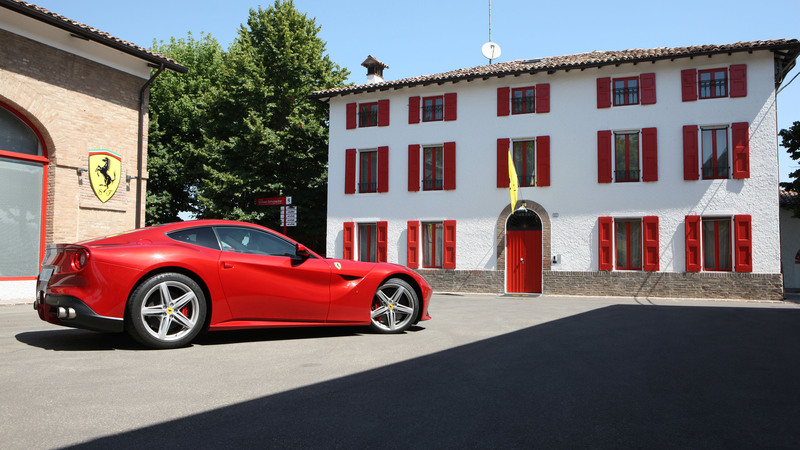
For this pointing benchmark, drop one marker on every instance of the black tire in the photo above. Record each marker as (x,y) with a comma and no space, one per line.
(166,311)
(394,307)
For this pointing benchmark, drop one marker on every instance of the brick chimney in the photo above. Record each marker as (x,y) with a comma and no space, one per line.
(374,69)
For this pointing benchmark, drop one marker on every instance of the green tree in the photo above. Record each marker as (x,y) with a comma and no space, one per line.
(254,132)
(181,107)
(790,139)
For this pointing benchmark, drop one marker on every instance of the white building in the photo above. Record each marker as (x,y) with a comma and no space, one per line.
(641,172)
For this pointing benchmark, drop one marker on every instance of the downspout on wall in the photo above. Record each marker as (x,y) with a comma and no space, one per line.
(140,147)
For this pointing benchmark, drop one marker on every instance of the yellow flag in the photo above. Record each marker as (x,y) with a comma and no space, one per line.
(513,182)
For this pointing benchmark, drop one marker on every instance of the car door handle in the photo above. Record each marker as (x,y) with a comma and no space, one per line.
(227,265)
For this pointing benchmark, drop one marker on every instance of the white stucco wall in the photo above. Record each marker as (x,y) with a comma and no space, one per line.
(790,246)
(574,193)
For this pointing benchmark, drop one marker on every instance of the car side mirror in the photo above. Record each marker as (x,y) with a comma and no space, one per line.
(301,251)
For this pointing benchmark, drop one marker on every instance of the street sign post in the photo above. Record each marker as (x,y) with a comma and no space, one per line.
(288,218)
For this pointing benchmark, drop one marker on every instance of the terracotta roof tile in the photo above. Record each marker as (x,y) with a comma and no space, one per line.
(88,32)
(788,198)
(570,62)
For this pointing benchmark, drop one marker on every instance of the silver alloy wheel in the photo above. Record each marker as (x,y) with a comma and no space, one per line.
(170,311)
(394,306)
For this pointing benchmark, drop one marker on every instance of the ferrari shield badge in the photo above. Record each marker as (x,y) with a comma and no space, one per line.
(105,168)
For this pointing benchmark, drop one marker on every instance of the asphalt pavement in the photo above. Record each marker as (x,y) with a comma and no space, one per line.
(486,372)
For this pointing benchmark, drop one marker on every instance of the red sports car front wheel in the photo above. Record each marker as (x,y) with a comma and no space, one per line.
(394,308)
(166,311)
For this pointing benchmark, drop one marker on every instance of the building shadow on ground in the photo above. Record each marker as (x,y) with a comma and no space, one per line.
(626,376)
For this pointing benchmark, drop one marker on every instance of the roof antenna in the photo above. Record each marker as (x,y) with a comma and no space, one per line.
(490,50)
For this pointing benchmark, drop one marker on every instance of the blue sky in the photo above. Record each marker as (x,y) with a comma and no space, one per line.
(420,37)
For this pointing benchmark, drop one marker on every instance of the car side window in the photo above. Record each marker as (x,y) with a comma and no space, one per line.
(250,240)
(202,236)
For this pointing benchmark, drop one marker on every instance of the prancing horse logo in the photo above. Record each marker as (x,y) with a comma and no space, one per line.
(104,172)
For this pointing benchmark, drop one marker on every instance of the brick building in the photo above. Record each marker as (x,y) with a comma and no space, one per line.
(73,107)
(648,173)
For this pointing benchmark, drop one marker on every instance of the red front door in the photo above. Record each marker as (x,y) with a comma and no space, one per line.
(524,261)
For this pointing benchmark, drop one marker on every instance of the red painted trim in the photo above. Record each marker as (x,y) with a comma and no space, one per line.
(503,101)
(351,110)
(650,245)
(649,154)
(350,171)
(738,78)
(648,88)
(543,161)
(19,278)
(450,106)
(449,166)
(689,85)
(412,254)
(693,249)
(449,259)
(502,162)
(23,157)
(740,134)
(413,110)
(383,169)
(743,238)
(604,92)
(604,156)
(383,113)
(605,235)
(348,239)
(413,167)
(382,240)
(543,98)
(690,155)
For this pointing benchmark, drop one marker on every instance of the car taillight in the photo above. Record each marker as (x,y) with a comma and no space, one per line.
(79,258)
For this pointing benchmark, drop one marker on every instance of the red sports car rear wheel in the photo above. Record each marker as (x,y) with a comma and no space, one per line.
(166,311)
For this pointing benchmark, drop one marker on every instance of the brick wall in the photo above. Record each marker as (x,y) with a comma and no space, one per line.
(747,286)
(77,105)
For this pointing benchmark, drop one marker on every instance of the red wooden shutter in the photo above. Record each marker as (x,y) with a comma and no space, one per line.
(543,98)
(450,106)
(352,121)
(606,240)
(413,110)
(604,92)
(449,166)
(383,169)
(743,239)
(412,249)
(741,150)
(693,253)
(503,103)
(383,113)
(690,155)
(382,240)
(502,162)
(649,154)
(542,160)
(449,260)
(413,167)
(650,246)
(689,85)
(648,83)
(738,76)
(604,156)
(350,171)
(348,239)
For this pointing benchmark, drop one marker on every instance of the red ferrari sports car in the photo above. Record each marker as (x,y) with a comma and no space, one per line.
(165,284)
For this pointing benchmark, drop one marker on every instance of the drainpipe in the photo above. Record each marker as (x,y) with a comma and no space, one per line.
(140,147)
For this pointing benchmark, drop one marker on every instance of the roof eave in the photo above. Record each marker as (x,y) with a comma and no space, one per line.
(154,60)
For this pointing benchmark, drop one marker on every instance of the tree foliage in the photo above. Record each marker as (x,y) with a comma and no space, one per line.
(790,139)
(240,125)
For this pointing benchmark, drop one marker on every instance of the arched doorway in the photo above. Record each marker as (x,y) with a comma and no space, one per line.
(524,252)
(23,181)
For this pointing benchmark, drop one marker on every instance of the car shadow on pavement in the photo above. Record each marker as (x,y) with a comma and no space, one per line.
(627,376)
(70,339)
